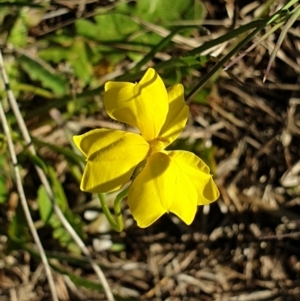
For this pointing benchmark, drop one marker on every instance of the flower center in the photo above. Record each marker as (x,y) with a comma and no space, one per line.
(157,145)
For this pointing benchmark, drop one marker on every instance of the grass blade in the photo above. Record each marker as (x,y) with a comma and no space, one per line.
(285,29)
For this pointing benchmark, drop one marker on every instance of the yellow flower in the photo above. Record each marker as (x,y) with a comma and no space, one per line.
(163,181)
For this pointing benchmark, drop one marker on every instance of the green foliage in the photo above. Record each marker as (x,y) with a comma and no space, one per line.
(3,178)
(45,207)
(54,53)
(79,60)
(18,34)
(18,232)
(49,218)
(108,27)
(44,74)
(155,11)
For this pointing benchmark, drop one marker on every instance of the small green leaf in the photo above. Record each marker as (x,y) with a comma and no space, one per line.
(48,216)
(202,95)
(45,207)
(42,72)
(32,89)
(162,11)
(37,161)
(117,247)
(3,177)
(193,60)
(197,13)
(3,190)
(79,60)
(54,54)
(108,27)
(17,230)
(87,29)
(65,240)
(18,34)
(58,190)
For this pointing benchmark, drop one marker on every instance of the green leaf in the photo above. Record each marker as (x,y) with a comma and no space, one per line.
(18,34)
(54,54)
(147,40)
(197,13)
(45,207)
(62,38)
(37,161)
(40,71)
(162,11)
(17,230)
(192,60)
(202,95)
(63,237)
(48,216)
(3,177)
(108,27)
(87,29)
(32,89)
(79,60)
(3,190)
(58,191)
(115,26)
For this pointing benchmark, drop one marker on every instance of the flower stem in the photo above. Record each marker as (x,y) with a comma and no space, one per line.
(116,222)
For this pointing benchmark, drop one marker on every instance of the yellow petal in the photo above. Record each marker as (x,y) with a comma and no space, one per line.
(177,115)
(143,105)
(198,172)
(159,188)
(111,156)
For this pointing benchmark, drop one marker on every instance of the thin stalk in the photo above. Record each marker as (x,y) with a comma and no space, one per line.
(49,192)
(117,221)
(241,44)
(107,212)
(285,29)
(117,206)
(24,201)
(159,47)
(266,8)
(265,36)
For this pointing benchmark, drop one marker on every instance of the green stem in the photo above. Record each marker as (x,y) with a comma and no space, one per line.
(265,8)
(118,209)
(117,221)
(107,212)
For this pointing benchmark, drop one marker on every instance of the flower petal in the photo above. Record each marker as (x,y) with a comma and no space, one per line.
(112,156)
(143,105)
(159,188)
(177,115)
(199,175)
